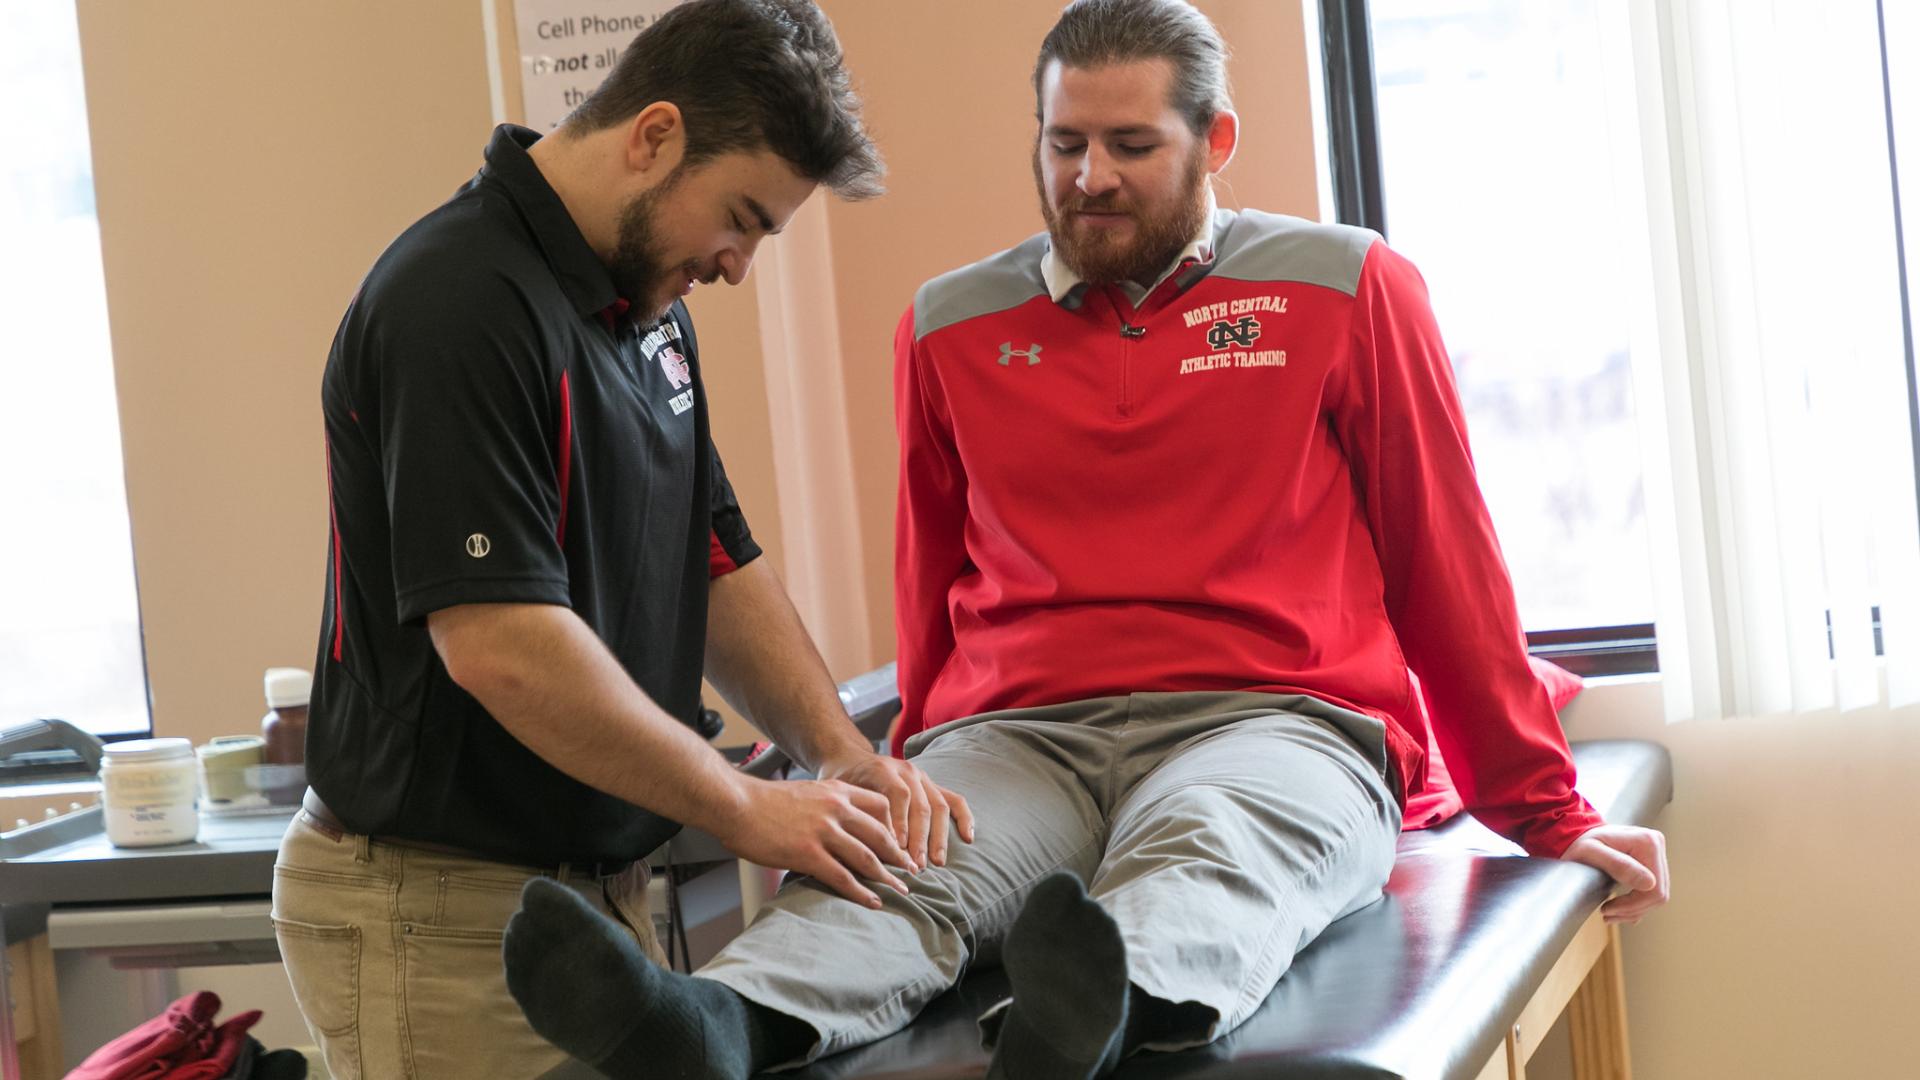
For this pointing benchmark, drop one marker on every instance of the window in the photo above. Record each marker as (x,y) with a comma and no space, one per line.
(1508,170)
(1673,421)
(70,644)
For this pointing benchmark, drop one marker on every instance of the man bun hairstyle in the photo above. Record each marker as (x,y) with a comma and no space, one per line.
(1094,33)
(746,74)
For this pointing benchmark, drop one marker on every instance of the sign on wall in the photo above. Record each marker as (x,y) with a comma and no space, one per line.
(561,50)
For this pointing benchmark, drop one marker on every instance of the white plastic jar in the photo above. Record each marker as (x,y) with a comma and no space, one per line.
(149,790)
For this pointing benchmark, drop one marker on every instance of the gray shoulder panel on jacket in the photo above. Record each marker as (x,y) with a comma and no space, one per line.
(995,283)
(1255,246)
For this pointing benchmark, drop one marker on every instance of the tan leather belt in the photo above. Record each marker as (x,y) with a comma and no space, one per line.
(324,820)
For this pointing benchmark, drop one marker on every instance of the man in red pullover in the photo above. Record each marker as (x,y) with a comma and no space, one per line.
(1184,495)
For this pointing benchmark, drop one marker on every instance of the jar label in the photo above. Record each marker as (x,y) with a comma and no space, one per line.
(152,805)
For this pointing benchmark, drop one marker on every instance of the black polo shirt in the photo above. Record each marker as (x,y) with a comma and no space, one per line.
(495,434)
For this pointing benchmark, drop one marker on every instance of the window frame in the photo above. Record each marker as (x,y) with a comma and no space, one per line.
(1359,195)
(1900,256)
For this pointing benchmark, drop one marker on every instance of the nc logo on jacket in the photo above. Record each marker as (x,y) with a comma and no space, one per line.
(1225,334)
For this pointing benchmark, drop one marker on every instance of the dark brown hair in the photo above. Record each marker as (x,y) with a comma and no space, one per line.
(746,74)
(1094,33)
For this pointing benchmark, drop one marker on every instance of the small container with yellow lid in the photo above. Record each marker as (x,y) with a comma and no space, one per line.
(224,763)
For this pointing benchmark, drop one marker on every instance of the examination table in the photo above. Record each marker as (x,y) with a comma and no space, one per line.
(1458,973)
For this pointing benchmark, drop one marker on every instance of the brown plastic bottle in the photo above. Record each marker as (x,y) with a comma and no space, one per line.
(285,725)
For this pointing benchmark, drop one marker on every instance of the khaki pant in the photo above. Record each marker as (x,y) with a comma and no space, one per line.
(394,954)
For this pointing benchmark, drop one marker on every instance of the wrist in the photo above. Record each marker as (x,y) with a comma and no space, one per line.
(846,749)
(727,805)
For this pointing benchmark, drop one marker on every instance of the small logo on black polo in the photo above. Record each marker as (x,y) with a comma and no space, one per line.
(478,545)
(1008,352)
(675,367)
(1228,333)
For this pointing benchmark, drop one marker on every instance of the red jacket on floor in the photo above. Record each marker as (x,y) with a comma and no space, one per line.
(181,1043)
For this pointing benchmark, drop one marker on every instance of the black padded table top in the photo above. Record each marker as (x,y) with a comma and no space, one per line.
(1423,984)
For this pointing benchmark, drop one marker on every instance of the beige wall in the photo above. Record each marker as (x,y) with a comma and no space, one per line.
(248,171)
(1788,949)
(250,168)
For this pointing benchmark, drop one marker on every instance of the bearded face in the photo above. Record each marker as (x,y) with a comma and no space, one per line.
(639,266)
(1118,234)
(700,223)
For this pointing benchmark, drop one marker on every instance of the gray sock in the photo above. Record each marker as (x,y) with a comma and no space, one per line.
(1068,967)
(586,987)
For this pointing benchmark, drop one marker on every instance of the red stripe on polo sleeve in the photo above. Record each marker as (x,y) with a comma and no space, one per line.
(333,516)
(564,458)
(719,563)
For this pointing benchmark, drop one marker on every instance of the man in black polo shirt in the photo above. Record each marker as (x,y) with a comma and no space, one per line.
(535,556)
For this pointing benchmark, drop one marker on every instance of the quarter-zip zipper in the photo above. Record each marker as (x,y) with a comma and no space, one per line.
(1129,333)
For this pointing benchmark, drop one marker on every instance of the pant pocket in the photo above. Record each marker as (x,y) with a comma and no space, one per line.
(457,1018)
(476,901)
(323,966)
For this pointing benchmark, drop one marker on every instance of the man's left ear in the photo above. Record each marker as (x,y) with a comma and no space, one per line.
(655,139)
(1222,137)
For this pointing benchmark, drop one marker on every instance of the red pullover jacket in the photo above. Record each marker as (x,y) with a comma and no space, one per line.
(1257,480)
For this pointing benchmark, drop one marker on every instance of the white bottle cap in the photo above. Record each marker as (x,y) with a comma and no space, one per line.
(287,686)
(146,750)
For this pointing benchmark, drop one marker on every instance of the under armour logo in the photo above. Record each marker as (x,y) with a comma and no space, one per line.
(1008,352)
(478,545)
(1225,334)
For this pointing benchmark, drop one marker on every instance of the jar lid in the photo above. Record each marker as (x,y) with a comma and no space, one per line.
(125,753)
(288,686)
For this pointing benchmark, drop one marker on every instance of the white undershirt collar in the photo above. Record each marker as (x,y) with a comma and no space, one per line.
(1061,280)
